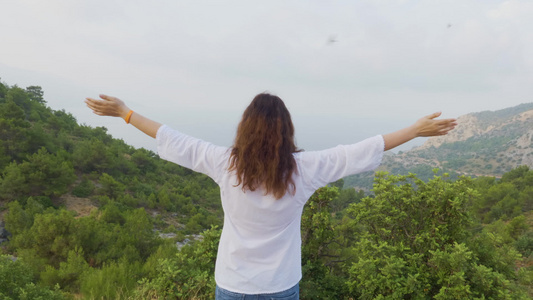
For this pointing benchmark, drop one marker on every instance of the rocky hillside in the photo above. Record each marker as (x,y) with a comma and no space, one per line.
(487,143)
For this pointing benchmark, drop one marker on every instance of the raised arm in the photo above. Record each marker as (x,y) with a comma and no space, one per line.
(425,127)
(114,107)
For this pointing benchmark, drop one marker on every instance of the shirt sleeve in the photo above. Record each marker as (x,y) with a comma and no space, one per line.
(190,152)
(322,167)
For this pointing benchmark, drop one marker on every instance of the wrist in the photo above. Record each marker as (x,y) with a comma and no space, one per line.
(414,131)
(124,112)
(128,116)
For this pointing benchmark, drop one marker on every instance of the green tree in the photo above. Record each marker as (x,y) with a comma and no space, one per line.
(42,174)
(164,201)
(69,272)
(187,276)
(16,282)
(53,236)
(13,132)
(91,155)
(3,91)
(115,280)
(416,242)
(138,232)
(111,214)
(39,138)
(84,189)
(60,119)
(110,187)
(521,177)
(20,97)
(346,197)
(18,218)
(144,160)
(35,93)
(320,248)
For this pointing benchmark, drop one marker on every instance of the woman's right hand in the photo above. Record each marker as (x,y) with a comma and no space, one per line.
(108,106)
(114,107)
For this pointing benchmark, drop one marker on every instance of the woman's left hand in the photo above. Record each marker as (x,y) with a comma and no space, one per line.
(426,126)
(429,126)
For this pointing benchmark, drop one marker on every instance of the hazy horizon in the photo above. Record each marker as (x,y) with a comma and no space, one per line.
(346,70)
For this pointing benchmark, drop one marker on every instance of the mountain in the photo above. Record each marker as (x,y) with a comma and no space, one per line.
(487,143)
(131,207)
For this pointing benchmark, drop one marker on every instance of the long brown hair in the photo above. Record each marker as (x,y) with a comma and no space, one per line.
(262,153)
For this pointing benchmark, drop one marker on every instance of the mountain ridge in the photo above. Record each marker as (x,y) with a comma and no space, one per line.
(475,124)
(487,143)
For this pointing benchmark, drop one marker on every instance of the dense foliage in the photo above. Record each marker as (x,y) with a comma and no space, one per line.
(93,218)
(123,198)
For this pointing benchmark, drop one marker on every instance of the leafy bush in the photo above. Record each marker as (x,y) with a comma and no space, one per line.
(524,244)
(84,189)
(16,282)
(43,174)
(112,281)
(190,275)
(415,244)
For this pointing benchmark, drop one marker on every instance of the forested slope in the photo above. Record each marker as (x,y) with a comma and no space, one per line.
(442,238)
(126,196)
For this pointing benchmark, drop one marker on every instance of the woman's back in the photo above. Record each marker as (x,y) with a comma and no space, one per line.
(260,246)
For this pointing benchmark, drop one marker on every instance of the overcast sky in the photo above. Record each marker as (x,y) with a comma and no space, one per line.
(346,69)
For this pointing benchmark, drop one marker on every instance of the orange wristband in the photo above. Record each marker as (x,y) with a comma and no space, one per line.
(128,117)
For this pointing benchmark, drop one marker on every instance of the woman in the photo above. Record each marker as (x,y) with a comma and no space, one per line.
(264,183)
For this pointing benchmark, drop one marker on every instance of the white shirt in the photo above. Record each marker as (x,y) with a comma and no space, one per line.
(260,246)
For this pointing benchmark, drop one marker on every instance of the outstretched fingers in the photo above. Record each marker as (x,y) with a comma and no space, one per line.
(434,115)
(91,103)
(108,98)
(429,126)
(94,105)
(446,126)
(107,106)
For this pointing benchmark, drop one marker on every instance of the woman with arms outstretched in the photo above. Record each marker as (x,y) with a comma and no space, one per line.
(265,182)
